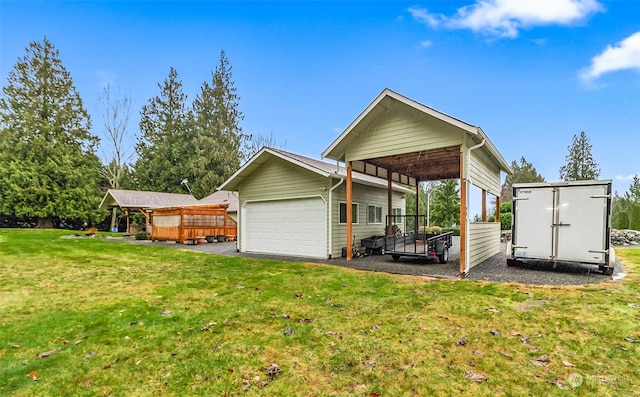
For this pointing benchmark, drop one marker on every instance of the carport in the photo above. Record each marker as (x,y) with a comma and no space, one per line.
(400,140)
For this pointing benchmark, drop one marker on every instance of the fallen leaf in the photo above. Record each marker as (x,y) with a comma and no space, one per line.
(239,286)
(107,366)
(263,384)
(461,342)
(515,333)
(492,309)
(560,385)
(299,296)
(15,346)
(273,370)
(567,363)
(369,363)
(495,332)
(89,356)
(165,313)
(209,325)
(49,353)
(288,331)
(631,339)
(245,384)
(306,321)
(330,333)
(524,340)
(475,376)
(374,394)
(64,343)
(285,315)
(375,327)
(230,370)
(633,305)
(76,343)
(541,361)
(88,383)
(33,375)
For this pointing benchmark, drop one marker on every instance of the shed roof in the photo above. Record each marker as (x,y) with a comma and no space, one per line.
(389,99)
(222,197)
(317,166)
(144,199)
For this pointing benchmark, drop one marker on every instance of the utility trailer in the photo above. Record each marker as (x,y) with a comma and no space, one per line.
(562,222)
(408,237)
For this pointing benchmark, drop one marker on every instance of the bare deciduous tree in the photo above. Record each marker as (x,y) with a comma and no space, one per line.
(115,110)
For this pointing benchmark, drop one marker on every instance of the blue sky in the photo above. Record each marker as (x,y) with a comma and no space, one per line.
(530,73)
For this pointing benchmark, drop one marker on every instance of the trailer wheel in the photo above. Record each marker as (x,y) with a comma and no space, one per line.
(607,270)
(444,256)
(395,257)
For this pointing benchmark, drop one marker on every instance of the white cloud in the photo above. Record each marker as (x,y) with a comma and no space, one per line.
(624,55)
(425,43)
(504,18)
(624,178)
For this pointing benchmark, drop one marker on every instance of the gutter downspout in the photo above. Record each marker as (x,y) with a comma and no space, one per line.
(331,217)
(466,212)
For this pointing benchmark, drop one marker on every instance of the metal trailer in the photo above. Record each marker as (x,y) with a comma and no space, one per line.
(562,222)
(408,238)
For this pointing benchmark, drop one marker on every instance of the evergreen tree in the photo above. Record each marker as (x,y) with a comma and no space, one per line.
(633,194)
(165,144)
(523,172)
(48,166)
(217,131)
(445,204)
(580,162)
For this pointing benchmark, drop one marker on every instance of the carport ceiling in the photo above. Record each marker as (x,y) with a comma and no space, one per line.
(421,166)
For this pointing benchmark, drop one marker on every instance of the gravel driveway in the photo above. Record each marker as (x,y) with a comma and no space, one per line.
(493,269)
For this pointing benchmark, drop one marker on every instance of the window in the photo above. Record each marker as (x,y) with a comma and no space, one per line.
(396,212)
(342,219)
(374,214)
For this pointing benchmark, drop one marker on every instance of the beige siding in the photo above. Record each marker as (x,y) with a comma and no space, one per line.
(364,196)
(405,132)
(484,241)
(279,179)
(484,173)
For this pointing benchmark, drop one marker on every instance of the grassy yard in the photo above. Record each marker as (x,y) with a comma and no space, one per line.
(88,316)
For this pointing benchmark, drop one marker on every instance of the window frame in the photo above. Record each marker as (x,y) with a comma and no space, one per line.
(396,218)
(377,214)
(354,206)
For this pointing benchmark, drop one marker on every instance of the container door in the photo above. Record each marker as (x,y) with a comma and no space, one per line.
(533,234)
(582,223)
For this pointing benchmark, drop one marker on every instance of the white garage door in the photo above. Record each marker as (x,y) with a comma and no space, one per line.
(286,227)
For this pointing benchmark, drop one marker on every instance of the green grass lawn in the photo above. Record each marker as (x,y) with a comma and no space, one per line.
(124,319)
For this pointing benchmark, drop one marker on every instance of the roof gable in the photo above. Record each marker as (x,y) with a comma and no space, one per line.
(319,167)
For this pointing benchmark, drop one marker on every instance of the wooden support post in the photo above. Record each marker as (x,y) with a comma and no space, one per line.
(389,205)
(498,209)
(463,217)
(126,213)
(417,222)
(181,227)
(484,205)
(349,212)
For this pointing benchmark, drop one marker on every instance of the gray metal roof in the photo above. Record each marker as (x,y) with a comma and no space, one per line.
(141,199)
(321,167)
(222,197)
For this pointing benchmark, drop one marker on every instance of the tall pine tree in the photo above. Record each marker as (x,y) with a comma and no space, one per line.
(48,166)
(217,131)
(580,164)
(523,171)
(165,144)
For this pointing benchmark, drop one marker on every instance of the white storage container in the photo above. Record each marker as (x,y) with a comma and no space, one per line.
(561,221)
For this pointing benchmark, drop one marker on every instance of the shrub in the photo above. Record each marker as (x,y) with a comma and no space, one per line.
(505,207)
(505,221)
(455,230)
(143,236)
